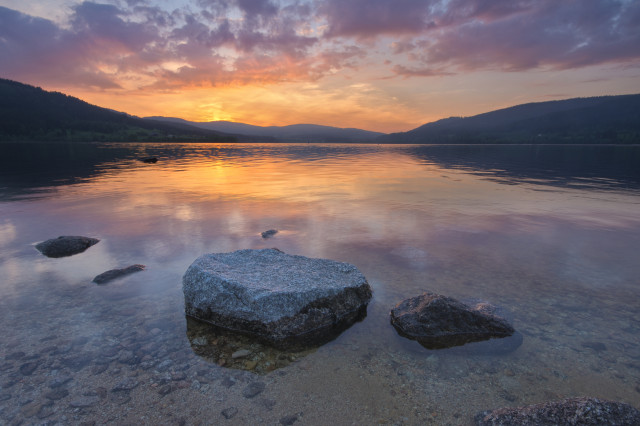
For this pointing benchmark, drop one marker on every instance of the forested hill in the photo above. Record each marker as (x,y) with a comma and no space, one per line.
(29,113)
(606,120)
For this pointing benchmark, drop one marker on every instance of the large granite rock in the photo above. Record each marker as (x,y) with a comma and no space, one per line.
(571,411)
(439,322)
(114,274)
(65,246)
(282,299)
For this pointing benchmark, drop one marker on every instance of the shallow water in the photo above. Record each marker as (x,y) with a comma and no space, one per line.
(549,233)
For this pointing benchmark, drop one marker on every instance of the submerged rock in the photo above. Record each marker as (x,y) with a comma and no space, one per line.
(113,274)
(65,246)
(572,411)
(270,233)
(439,322)
(281,299)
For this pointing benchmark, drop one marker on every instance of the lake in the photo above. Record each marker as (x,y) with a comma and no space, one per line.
(551,234)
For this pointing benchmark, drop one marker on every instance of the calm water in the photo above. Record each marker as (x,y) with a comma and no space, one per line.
(551,234)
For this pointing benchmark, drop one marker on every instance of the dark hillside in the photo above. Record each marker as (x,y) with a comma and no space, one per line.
(29,113)
(607,119)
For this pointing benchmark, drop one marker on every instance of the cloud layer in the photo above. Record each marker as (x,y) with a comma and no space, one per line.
(135,44)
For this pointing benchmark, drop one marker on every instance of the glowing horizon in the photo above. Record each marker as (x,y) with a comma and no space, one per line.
(383,65)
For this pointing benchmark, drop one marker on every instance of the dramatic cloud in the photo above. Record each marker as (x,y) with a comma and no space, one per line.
(135,46)
(371,18)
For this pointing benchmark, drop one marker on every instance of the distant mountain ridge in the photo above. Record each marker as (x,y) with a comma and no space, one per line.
(29,113)
(606,119)
(292,133)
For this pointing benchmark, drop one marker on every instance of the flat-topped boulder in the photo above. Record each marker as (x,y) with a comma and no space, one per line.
(280,298)
(571,411)
(439,322)
(65,245)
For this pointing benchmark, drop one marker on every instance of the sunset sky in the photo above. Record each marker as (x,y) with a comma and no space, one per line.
(385,65)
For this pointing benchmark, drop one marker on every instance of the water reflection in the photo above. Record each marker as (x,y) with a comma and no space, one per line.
(574,166)
(233,350)
(559,248)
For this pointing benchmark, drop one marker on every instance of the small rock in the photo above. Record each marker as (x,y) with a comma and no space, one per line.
(99,368)
(113,274)
(149,160)
(571,411)
(128,357)
(241,353)
(229,413)
(28,368)
(164,365)
(59,381)
(596,346)
(165,390)
(199,341)
(78,362)
(57,394)
(227,382)
(65,246)
(178,375)
(126,385)
(289,420)
(84,402)
(270,233)
(253,389)
(267,403)
(15,355)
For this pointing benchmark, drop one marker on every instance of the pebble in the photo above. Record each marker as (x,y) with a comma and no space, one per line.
(227,382)
(57,394)
(241,353)
(126,385)
(289,420)
(165,390)
(128,357)
(15,355)
(84,401)
(199,341)
(253,389)
(28,368)
(99,368)
(229,413)
(164,365)
(596,346)
(178,376)
(59,381)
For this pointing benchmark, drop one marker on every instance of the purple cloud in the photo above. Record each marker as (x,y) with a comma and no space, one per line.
(371,18)
(554,34)
(215,42)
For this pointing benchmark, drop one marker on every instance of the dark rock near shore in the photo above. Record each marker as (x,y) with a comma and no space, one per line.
(439,322)
(113,274)
(270,233)
(65,246)
(281,299)
(572,411)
